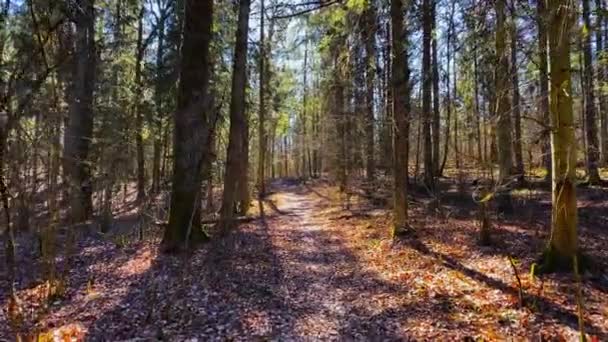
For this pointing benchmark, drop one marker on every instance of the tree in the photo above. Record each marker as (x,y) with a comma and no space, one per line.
(262,113)
(79,130)
(369,39)
(517,142)
(427,84)
(563,243)
(191,128)
(593,152)
(503,121)
(543,80)
(235,178)
(401,109)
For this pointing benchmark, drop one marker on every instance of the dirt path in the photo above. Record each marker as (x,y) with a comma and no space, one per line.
(308,270)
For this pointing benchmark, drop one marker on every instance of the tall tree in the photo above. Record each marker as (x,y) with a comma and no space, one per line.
(235,178)
(503,117)
(369,39)
(427,83)
(563,243)
(262,112)
(79,130)
(543,80)
(602,73)
(517,141)
(436,115)
(191,126)
(590,118)
(401,109)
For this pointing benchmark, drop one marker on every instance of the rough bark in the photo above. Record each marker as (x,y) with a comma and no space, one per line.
(401,108)
(191,126)
(139,140)
(237,154)
(79,130)
(262,112)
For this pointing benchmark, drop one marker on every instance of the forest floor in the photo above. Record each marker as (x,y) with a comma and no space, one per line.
(308,268)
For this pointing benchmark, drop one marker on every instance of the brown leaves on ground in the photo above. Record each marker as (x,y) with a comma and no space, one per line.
(310,270)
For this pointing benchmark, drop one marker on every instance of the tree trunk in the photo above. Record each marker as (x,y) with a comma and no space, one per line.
(262,113)
(236,157)
(369,37)
(601,79)
(401,110)
(517,142)
(591,128)
(436,114)
(139,140)
(427,84)
(563,244)
(79,130)
(191,126)
(503,122)
(544,85)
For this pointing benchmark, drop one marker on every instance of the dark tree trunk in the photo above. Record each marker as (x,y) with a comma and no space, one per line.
(427,84)
(235,178)
(517,143)
(79,129)
(191,127)
(544,85)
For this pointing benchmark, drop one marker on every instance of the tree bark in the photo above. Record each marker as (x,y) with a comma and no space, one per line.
(262,113)
(191,127)
(436,114)
(601,79)
(369,38)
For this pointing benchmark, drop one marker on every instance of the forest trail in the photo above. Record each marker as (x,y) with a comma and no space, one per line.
(309,269)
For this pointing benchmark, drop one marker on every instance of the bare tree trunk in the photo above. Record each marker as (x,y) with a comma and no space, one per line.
(401,109)
(602,71)
(591,129)
(436,114)
(503,123)
(262,113)
(139,140)
(237,155)
(427,84)
(191,128)
(563,244)
(79,130)
(544,84)
(369,38)
(517,142)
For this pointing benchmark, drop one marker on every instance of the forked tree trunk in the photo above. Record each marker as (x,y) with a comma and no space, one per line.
(191,127)
(401,110)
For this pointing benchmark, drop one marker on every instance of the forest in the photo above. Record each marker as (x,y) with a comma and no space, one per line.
(304,170)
